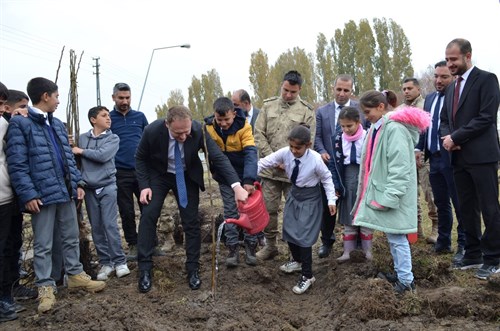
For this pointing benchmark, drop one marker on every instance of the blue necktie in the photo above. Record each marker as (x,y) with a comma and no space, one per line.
(435,125)
(353,153)
(295,172)
(179,177)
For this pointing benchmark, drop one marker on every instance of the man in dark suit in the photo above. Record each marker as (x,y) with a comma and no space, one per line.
(167,159)
(441,171)
(241,99)
(326,125)
(468,129)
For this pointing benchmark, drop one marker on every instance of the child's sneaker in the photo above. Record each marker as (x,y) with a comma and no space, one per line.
(303,284)
(82,280)
(465,264)
(46,298)
(7,312)
(21,292)
(122,270)
(105,272)
(291,266)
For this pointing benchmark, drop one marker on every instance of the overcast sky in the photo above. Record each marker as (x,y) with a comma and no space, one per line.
(222,34)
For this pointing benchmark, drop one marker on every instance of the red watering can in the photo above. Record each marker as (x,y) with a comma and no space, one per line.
(253,214)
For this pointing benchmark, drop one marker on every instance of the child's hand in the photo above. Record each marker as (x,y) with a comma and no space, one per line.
(333,209)
(250,188)
(77,150)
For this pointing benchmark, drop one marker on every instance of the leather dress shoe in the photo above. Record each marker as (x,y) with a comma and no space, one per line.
(145,281)
(194,280)
(324,251)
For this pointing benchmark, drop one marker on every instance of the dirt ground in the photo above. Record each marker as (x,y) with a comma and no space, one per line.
(345,297)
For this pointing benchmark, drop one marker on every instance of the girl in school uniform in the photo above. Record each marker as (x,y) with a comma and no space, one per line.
(344,165)
(303,207)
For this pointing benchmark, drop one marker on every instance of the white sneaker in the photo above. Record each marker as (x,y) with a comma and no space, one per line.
(105,272)
(291,266)
(122,270)
(303,284)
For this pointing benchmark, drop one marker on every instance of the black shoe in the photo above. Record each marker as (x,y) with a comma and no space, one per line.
(442,250)
(459,255)
(390,277)
(145,281)
(194,280)
(465,264)
(324,251)
(400,288)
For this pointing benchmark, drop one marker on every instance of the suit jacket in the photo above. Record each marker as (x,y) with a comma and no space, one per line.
(422,143)
(152,155)
(474,128)
(326,126)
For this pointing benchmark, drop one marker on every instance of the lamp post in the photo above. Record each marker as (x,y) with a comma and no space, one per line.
(149,66)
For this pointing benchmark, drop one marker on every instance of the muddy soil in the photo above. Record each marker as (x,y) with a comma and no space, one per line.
(344,297)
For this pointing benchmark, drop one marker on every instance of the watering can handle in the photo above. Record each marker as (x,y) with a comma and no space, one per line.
(258,185)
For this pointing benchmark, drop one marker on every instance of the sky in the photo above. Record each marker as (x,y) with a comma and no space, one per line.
(222,34)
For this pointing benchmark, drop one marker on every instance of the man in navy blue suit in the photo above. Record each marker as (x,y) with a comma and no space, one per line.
(468,129)
(441,171)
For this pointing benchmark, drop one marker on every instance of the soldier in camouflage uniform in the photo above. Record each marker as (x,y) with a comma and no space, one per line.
(277,117)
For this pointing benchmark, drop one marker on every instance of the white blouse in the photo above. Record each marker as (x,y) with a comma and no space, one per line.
(312,169)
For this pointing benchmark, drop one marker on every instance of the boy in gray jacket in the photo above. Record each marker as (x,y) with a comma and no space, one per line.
(97,149)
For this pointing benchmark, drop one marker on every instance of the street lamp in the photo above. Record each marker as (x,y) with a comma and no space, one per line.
(149,66)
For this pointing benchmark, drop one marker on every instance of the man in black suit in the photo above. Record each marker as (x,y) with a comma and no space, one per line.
(167,159)
(468,129)
(241,99)
(441,171)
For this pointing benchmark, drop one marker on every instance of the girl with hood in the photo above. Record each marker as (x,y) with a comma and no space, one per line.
(387,189)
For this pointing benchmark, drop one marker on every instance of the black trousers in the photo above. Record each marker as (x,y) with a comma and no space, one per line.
(160,187)
(126,182)
(477,188)
(327,222)
(302,255)
(11,225)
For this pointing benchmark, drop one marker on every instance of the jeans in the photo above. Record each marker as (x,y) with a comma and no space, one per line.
(400,251)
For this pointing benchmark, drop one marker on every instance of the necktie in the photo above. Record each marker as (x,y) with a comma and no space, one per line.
(179,177)
(456,96)
(295,172)
(435,125)
(353,153)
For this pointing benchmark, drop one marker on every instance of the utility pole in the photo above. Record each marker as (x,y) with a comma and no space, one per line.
(96,73)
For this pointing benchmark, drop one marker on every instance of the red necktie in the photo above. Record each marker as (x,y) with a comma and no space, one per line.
(456,96)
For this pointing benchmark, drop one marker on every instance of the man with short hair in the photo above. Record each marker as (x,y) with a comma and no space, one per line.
(441,171)
(413,98)
(326,127)
(128,124)
(276,119)
(468,129)
(167,159)
(241,99)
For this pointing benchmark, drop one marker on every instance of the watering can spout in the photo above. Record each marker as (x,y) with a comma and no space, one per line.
(243,221)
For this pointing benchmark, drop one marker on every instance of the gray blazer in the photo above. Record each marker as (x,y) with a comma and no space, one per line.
(326,125)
